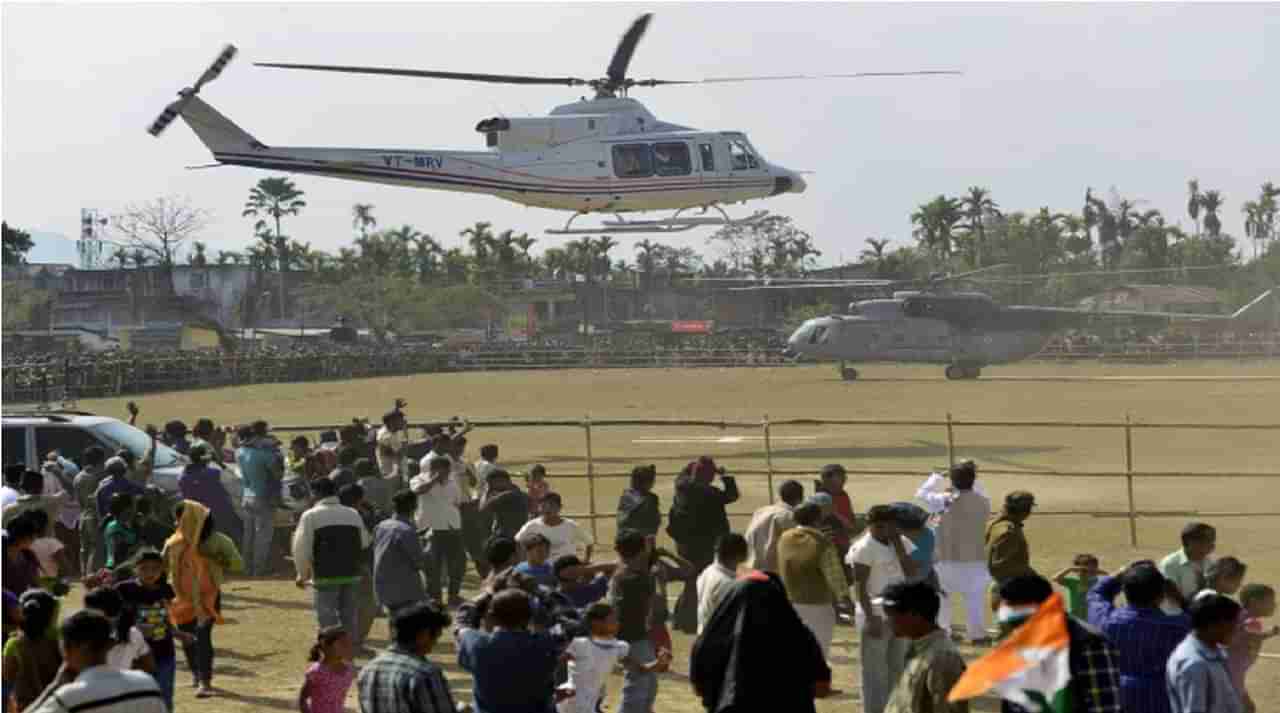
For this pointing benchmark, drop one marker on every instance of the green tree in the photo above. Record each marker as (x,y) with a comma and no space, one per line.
(978,207)
(24,307)
(1211,203)
(274,198)
(17,243)
(198,258)
(481,239)
(1193,202)
(362,218)
(935,223)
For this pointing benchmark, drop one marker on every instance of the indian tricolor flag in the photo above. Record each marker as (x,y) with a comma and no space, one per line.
(1029,668)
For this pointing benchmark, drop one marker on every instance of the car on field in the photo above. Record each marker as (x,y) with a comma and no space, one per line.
(29,436)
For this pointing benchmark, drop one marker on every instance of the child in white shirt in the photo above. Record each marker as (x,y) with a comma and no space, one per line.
(592,658)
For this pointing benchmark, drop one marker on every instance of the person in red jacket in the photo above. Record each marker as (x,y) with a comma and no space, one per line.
(832,482)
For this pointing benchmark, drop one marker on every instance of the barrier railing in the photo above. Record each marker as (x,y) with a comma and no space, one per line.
(1127,471)
(67,379)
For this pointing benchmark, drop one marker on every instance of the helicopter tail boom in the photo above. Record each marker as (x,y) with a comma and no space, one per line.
(217,132)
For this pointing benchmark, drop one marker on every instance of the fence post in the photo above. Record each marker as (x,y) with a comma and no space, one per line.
(951,442)
(768,456)
(1128,477)
(591,480)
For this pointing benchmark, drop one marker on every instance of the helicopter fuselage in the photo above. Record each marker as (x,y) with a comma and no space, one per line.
(602,155)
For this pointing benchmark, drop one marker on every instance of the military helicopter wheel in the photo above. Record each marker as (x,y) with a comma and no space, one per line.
(955,372)
(972,372)
(849,373)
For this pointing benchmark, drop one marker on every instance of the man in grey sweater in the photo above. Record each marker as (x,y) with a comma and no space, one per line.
(398,558)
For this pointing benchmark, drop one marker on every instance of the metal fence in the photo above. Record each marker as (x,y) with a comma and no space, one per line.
(1124,465)
(119,374)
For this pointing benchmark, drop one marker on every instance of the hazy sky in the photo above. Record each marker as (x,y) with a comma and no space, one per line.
(1055,98)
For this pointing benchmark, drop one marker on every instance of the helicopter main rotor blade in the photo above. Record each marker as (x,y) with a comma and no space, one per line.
(430,74)
(617,71)
(855,75)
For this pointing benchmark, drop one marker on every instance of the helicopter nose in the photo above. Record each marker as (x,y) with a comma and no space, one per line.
(788,182)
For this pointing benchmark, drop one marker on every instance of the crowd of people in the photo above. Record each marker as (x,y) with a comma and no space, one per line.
(382,524)
(30,375)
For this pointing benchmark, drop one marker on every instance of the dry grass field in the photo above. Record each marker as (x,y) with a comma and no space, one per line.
(261,651)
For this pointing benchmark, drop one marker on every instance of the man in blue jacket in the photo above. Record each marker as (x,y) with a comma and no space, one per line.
(261,470)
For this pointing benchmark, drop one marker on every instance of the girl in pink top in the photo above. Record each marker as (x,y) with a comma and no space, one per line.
(1259,602)
(330,674)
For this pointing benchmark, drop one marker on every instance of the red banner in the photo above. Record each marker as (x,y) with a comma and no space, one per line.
(691,327)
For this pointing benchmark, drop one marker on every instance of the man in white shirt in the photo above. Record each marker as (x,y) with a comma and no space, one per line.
(880,557)
(438,499)
(716,580)
(391,445)
(564,535)
(488,462)
(960,552)
(767,525)
(90,684)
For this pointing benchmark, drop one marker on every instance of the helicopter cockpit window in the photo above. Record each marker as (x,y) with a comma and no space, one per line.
(632,161)
(672,159)
(818,336)
(708,157)
(740,156)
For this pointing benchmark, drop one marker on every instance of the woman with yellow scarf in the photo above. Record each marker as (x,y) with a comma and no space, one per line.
(199,558)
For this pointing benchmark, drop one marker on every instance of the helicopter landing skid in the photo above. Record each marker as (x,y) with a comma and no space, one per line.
(674,224)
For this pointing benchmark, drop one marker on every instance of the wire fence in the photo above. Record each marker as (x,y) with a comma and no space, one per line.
(948,425)
(119,374)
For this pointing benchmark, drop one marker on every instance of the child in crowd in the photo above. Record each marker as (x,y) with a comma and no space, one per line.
(32,656)
(150,596)
(1196,675)
(538,487)
(151,532)
(130,650)
(1259,602)
(1225,575)
(592,658)
(330,675)
(664,567)
(50,553)
(1077,580)
(535,565)
(118,532)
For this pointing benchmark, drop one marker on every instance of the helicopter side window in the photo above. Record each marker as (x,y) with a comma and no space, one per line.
(633,160)
(708,157)
(672,159)
(818,336)
(740,157)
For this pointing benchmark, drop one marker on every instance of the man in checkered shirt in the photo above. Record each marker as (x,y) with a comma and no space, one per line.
(1092,660)
(402,679)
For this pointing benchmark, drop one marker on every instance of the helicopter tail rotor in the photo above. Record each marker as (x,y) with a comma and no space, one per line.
(174,109)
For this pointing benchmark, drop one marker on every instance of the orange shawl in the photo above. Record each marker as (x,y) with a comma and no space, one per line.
(192,581)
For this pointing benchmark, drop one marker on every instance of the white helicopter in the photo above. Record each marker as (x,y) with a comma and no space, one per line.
(607,154)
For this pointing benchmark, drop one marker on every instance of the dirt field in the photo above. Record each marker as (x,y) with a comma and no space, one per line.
(261,652)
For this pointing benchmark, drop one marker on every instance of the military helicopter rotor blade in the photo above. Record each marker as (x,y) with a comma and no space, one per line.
(852,75)
(430,74)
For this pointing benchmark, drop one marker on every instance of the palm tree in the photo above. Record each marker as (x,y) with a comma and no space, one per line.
(647,255)
(875,253)
(362,218)
(425,251)
(1211,201)
(480,238)
(525,243)
(600,249)
(1193,202)
(505,252)
(937,220)
(275,198)
(977,206)
(1108,228)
